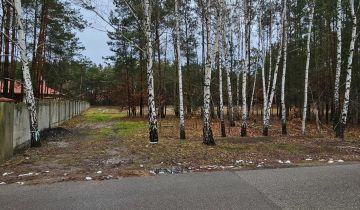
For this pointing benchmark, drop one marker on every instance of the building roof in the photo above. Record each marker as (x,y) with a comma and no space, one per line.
(17,89)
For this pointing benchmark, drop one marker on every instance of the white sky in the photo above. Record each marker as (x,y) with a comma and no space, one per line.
(94,38)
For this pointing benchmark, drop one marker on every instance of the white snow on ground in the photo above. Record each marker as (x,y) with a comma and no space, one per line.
(2,183)
(280,161)
(340,161)
(308,159)
(288,162)
(99,172)
(331,160)
(20,183)
(28,174)
(7,173)
(88,178)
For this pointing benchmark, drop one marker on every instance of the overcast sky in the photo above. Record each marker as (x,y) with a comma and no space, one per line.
(94,38)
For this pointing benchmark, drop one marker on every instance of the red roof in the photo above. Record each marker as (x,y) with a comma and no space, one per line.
(17,89)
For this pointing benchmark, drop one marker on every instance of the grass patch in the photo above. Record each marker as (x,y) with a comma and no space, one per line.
(127,128)
(103,115)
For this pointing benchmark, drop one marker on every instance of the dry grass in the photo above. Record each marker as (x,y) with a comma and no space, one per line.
(104,139)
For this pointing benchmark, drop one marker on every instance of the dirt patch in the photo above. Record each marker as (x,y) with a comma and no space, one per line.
(105,144)
(55,134)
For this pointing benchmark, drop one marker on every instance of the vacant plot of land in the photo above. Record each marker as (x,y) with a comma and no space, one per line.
(103,144)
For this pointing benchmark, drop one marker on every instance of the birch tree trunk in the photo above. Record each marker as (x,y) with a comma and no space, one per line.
(342,124)
(253,91)
(263,76)
(274,82)
(150,75)
(246,69)
(311,17)
(338,64)
(228,76)
(208,138)
(178,54)
(220,26)
(283,78)
(29,93)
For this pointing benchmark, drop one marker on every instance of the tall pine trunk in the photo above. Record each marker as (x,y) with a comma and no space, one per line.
(344,114)
(178,54)
(306,83)
(150,75)
(30,99)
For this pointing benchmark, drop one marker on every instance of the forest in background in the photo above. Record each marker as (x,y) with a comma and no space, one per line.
(240,39)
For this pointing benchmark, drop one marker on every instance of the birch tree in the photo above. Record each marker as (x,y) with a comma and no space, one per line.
(345,109)
(263,55)
(338,64)
(246,69)
(283,78)
(29,93)
(219,26)
(274,80)
(150,77)
(208,138)
(178,54)
(227,69)
(306,83)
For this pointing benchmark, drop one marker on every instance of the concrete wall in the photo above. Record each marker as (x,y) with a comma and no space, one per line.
(6,130)
(15,125)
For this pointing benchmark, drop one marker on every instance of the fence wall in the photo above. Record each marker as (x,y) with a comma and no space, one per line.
(15,124)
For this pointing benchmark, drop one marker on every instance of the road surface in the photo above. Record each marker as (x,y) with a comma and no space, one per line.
(326,187)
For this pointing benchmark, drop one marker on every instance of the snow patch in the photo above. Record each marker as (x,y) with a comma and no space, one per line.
(340,161)
(280,161)
(239,161)
(288,162)
(331,160)
(99,172)
(308,159)
(28,174)
(20,183)
(88,178)
(7,173)
(2,183)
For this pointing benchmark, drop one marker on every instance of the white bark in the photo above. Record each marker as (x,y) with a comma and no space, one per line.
(283,78)
(228,78)
(345,108)
(274,82)
(338,62)
(253,91)
(150,76)
(219,26)
(178,55)
(263,60)
(29,93)
(208,138)
(311,17)
(246,69)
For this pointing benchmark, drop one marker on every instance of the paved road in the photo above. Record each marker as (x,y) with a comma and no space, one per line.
(329,187)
